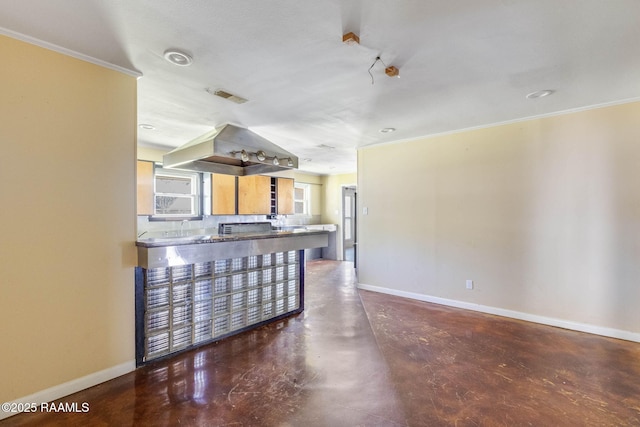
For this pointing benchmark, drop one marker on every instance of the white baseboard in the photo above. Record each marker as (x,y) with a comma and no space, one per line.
(550,321)
(73,386)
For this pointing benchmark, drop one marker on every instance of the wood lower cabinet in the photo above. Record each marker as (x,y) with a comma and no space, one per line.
(144,187)
(223,194)
(254,195)
(284,196)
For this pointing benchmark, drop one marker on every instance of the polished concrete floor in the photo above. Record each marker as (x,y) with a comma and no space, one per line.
(455,367)
(357,358)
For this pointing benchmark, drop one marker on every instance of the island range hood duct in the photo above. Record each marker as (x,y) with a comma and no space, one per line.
(230,150)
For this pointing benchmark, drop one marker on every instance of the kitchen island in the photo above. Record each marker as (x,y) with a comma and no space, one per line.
(193,290)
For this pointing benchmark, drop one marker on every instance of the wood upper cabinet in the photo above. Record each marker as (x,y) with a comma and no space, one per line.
(223,194)
(254,195)
(144,185)
(284,197)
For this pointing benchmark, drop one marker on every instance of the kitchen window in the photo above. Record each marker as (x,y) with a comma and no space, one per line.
(176,194)
(302,199)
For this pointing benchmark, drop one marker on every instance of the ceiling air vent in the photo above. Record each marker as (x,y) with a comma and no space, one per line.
(229,96)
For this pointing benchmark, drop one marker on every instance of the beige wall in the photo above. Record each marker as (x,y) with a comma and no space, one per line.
(67,186)
(543,215)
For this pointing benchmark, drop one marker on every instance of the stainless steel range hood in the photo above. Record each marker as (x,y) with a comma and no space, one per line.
(230,150)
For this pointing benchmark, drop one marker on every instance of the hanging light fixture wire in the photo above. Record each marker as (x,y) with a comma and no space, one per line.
(374,63)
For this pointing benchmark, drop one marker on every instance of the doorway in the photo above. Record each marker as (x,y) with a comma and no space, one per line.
(349,225)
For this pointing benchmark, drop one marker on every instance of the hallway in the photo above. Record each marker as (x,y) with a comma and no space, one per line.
(399,363)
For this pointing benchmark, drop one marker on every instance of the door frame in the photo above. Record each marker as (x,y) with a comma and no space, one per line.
(353,190)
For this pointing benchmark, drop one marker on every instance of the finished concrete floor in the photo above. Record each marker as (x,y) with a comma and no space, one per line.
(357,358)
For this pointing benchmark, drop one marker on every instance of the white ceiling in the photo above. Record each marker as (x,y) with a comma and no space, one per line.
(462,64)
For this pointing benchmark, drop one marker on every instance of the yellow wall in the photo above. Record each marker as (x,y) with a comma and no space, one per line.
(544,216)
(307,178)
(332,209)
(317,191)
(67,188)
(151,154)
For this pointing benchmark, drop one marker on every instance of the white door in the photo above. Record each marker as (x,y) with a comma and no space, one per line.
(349,224)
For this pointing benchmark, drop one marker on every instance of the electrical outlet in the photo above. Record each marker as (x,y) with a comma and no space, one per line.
(469,284)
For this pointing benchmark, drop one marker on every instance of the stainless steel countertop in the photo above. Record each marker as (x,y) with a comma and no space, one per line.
(172,251)
(156,242)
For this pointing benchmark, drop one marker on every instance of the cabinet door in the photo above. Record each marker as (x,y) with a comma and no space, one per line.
(223,194)
(285,196)
(254,195)
(144,186)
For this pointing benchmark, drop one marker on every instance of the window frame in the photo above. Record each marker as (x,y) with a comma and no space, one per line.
(196,194)
(306,200)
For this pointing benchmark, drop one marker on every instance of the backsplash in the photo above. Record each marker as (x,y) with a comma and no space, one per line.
(210,223)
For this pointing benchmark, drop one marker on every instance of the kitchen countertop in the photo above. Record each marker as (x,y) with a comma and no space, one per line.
(155,242)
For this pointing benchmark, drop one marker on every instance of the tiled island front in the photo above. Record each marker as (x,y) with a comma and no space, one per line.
(192,291)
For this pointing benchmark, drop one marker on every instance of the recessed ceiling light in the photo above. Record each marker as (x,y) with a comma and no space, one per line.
(387,130)
(146,126)
(178,57)
(540,94)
